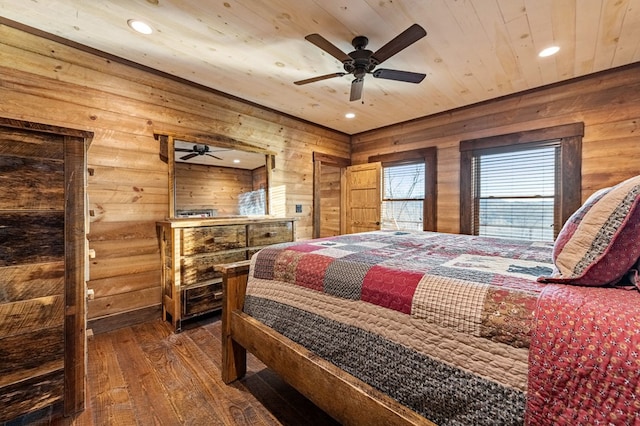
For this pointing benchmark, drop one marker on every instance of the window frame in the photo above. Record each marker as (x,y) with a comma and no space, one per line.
(429,156)
(569,184)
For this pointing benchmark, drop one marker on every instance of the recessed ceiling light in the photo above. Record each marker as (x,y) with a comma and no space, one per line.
(139,26)
(552,50)
(236,161)
(350,115)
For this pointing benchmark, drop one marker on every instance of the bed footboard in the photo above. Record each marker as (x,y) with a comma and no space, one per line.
(341,395)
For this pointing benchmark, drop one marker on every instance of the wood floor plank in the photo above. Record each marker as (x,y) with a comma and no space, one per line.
(228,401)
(197,368)
(148,393)
(206,338)
(284,402)
(174,368)
(289,406)
(110,398)
(147,375)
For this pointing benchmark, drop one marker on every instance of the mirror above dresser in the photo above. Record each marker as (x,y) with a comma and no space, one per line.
(216,176)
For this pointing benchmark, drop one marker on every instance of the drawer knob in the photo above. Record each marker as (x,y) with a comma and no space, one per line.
(272,234)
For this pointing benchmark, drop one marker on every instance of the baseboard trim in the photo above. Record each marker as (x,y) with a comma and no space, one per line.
(125,319)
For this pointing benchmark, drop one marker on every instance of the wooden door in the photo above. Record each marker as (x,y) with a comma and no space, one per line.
(363,192)
(42,246)
(328,194)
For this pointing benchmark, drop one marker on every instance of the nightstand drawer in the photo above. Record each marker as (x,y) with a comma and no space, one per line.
(202,298)
(262,234)
(213,238)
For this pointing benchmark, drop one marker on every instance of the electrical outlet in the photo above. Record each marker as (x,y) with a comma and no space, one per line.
(298,208)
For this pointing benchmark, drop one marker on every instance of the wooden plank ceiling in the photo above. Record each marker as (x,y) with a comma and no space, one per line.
(475,50)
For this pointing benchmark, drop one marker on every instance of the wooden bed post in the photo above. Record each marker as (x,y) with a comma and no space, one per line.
(234,283)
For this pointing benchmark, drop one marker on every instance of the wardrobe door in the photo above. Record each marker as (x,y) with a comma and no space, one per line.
(41,248)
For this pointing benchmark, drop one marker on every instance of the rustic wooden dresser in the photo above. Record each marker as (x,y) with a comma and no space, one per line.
(190,250)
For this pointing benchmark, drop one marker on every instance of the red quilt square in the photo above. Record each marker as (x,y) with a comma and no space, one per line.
(390,288)
(311,270)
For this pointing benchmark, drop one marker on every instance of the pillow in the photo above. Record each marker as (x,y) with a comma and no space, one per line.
(600,242)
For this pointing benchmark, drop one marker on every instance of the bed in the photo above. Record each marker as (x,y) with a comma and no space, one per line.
(391,327)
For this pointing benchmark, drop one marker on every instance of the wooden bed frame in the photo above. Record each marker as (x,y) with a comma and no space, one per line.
(346,398)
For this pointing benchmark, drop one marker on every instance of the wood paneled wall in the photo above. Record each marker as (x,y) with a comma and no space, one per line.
(330,197)
(608,103)
(209,187)
(49,82)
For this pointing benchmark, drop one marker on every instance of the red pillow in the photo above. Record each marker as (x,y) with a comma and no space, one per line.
(601,241)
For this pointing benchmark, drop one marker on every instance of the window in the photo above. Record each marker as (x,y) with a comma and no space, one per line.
(403,196)
(521,185)
(409,189)
(514,192)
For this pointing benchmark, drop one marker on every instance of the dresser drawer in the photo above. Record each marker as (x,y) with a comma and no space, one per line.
(201,267)
(202,299)
(213,238)
(262,234)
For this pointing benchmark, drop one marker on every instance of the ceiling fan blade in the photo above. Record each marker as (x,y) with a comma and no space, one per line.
(188,156)
(183,150)
(328,47)
(407,76)
(403,40)
(356,89)
(217,158)
(321,77)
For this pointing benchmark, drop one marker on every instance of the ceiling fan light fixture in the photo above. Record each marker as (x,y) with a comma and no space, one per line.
(549,51)
(140,26)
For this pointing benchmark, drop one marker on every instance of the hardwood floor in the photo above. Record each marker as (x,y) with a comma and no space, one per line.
(148,375)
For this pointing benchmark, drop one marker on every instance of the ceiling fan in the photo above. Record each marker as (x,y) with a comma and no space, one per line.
(195,151)
(361,61)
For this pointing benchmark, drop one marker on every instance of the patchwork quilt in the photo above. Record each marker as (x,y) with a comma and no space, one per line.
(443,323)
(584,363)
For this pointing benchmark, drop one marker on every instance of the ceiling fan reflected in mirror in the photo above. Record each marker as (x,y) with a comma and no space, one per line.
(362,61)
(195,151)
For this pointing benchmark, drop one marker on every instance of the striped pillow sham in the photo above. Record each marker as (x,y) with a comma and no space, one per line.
(600,242)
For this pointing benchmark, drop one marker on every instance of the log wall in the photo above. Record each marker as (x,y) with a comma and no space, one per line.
(49,82)
(608,103)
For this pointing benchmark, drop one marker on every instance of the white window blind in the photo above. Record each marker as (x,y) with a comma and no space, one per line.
(515,191)
(403,197)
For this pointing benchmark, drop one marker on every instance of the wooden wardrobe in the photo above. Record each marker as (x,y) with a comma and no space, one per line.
(42,268)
